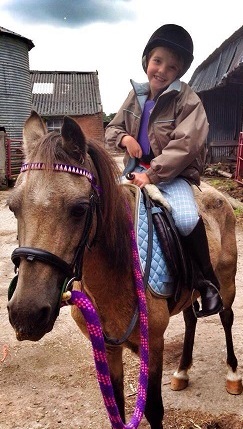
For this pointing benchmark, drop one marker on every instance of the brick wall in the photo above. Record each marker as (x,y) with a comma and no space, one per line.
(92,126)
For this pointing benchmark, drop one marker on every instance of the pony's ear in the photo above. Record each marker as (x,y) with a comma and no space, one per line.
(34,129)
(73,139)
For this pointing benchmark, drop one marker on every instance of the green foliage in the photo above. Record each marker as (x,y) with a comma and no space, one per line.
(215,183)
(238,212)
(108,118)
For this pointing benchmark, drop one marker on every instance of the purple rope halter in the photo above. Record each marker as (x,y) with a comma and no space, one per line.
(96,336)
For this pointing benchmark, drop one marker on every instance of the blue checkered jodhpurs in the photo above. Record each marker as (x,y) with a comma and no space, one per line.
(179,194)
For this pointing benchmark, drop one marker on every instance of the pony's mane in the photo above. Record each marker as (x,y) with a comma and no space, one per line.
(113,228)
(114,208)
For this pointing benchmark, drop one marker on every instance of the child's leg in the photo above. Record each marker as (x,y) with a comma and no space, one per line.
(180,196)
(191,227)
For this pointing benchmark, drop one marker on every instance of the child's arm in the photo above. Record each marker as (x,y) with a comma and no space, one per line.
(132,146)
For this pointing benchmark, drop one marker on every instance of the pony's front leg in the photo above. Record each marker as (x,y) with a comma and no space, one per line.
(114,357)
(180,377)
(154,409)
(158,322)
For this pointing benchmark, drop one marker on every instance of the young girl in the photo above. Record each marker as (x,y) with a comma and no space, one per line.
(164,125)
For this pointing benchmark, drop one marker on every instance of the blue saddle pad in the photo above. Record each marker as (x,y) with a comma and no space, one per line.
(161,281)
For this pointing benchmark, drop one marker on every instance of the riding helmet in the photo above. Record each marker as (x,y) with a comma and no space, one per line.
(171,36)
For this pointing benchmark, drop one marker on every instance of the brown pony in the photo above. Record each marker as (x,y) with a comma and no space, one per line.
(79,222)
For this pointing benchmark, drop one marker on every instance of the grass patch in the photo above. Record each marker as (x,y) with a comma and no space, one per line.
(216,183)
(238,211)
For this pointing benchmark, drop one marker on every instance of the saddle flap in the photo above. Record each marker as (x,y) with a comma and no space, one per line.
(152,261)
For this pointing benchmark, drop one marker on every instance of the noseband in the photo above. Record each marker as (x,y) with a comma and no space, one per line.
(71,271)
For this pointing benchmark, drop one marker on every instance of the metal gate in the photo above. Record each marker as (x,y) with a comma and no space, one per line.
(239,164)
(14,158)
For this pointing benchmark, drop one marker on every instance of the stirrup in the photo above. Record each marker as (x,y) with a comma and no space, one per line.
(199,313)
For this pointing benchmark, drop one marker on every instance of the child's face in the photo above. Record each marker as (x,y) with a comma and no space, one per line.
(163,68)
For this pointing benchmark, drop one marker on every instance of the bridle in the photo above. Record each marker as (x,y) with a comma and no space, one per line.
(73,271)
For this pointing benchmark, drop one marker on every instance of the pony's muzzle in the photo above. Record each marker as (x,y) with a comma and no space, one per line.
(31,321)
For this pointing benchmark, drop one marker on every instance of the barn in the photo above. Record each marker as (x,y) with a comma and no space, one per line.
(219,83)
(76,94)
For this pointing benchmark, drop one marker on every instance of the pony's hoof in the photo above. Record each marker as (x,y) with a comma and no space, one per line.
(234,387)
(179,381)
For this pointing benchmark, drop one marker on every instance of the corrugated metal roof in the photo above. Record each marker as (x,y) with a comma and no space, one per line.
(5,31)
(58,93)
(225,63)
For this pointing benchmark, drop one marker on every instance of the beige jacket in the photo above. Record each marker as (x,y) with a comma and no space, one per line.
(177,131)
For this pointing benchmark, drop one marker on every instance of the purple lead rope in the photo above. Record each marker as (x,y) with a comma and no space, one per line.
(96,336)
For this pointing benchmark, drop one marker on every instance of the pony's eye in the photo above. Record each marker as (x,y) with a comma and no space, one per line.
(79,210)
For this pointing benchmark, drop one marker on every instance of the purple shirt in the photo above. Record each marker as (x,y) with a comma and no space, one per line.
(143,139)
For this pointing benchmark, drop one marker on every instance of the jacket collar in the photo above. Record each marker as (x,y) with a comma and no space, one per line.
(142,89)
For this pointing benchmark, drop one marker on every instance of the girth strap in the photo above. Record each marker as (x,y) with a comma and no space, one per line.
(148,204)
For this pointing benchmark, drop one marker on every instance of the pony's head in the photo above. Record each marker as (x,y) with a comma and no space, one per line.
(65,201)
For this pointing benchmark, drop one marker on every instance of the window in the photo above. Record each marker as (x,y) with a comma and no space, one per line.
(54,124)
(43,88)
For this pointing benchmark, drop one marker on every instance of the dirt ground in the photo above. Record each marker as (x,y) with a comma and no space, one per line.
(52,384)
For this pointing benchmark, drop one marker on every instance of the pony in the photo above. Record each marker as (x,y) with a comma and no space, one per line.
(76,226)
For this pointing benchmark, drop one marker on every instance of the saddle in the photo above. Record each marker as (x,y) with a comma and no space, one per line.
(163,246)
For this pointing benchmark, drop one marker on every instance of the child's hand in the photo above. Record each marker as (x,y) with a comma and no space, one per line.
(132,146)
(140,179)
